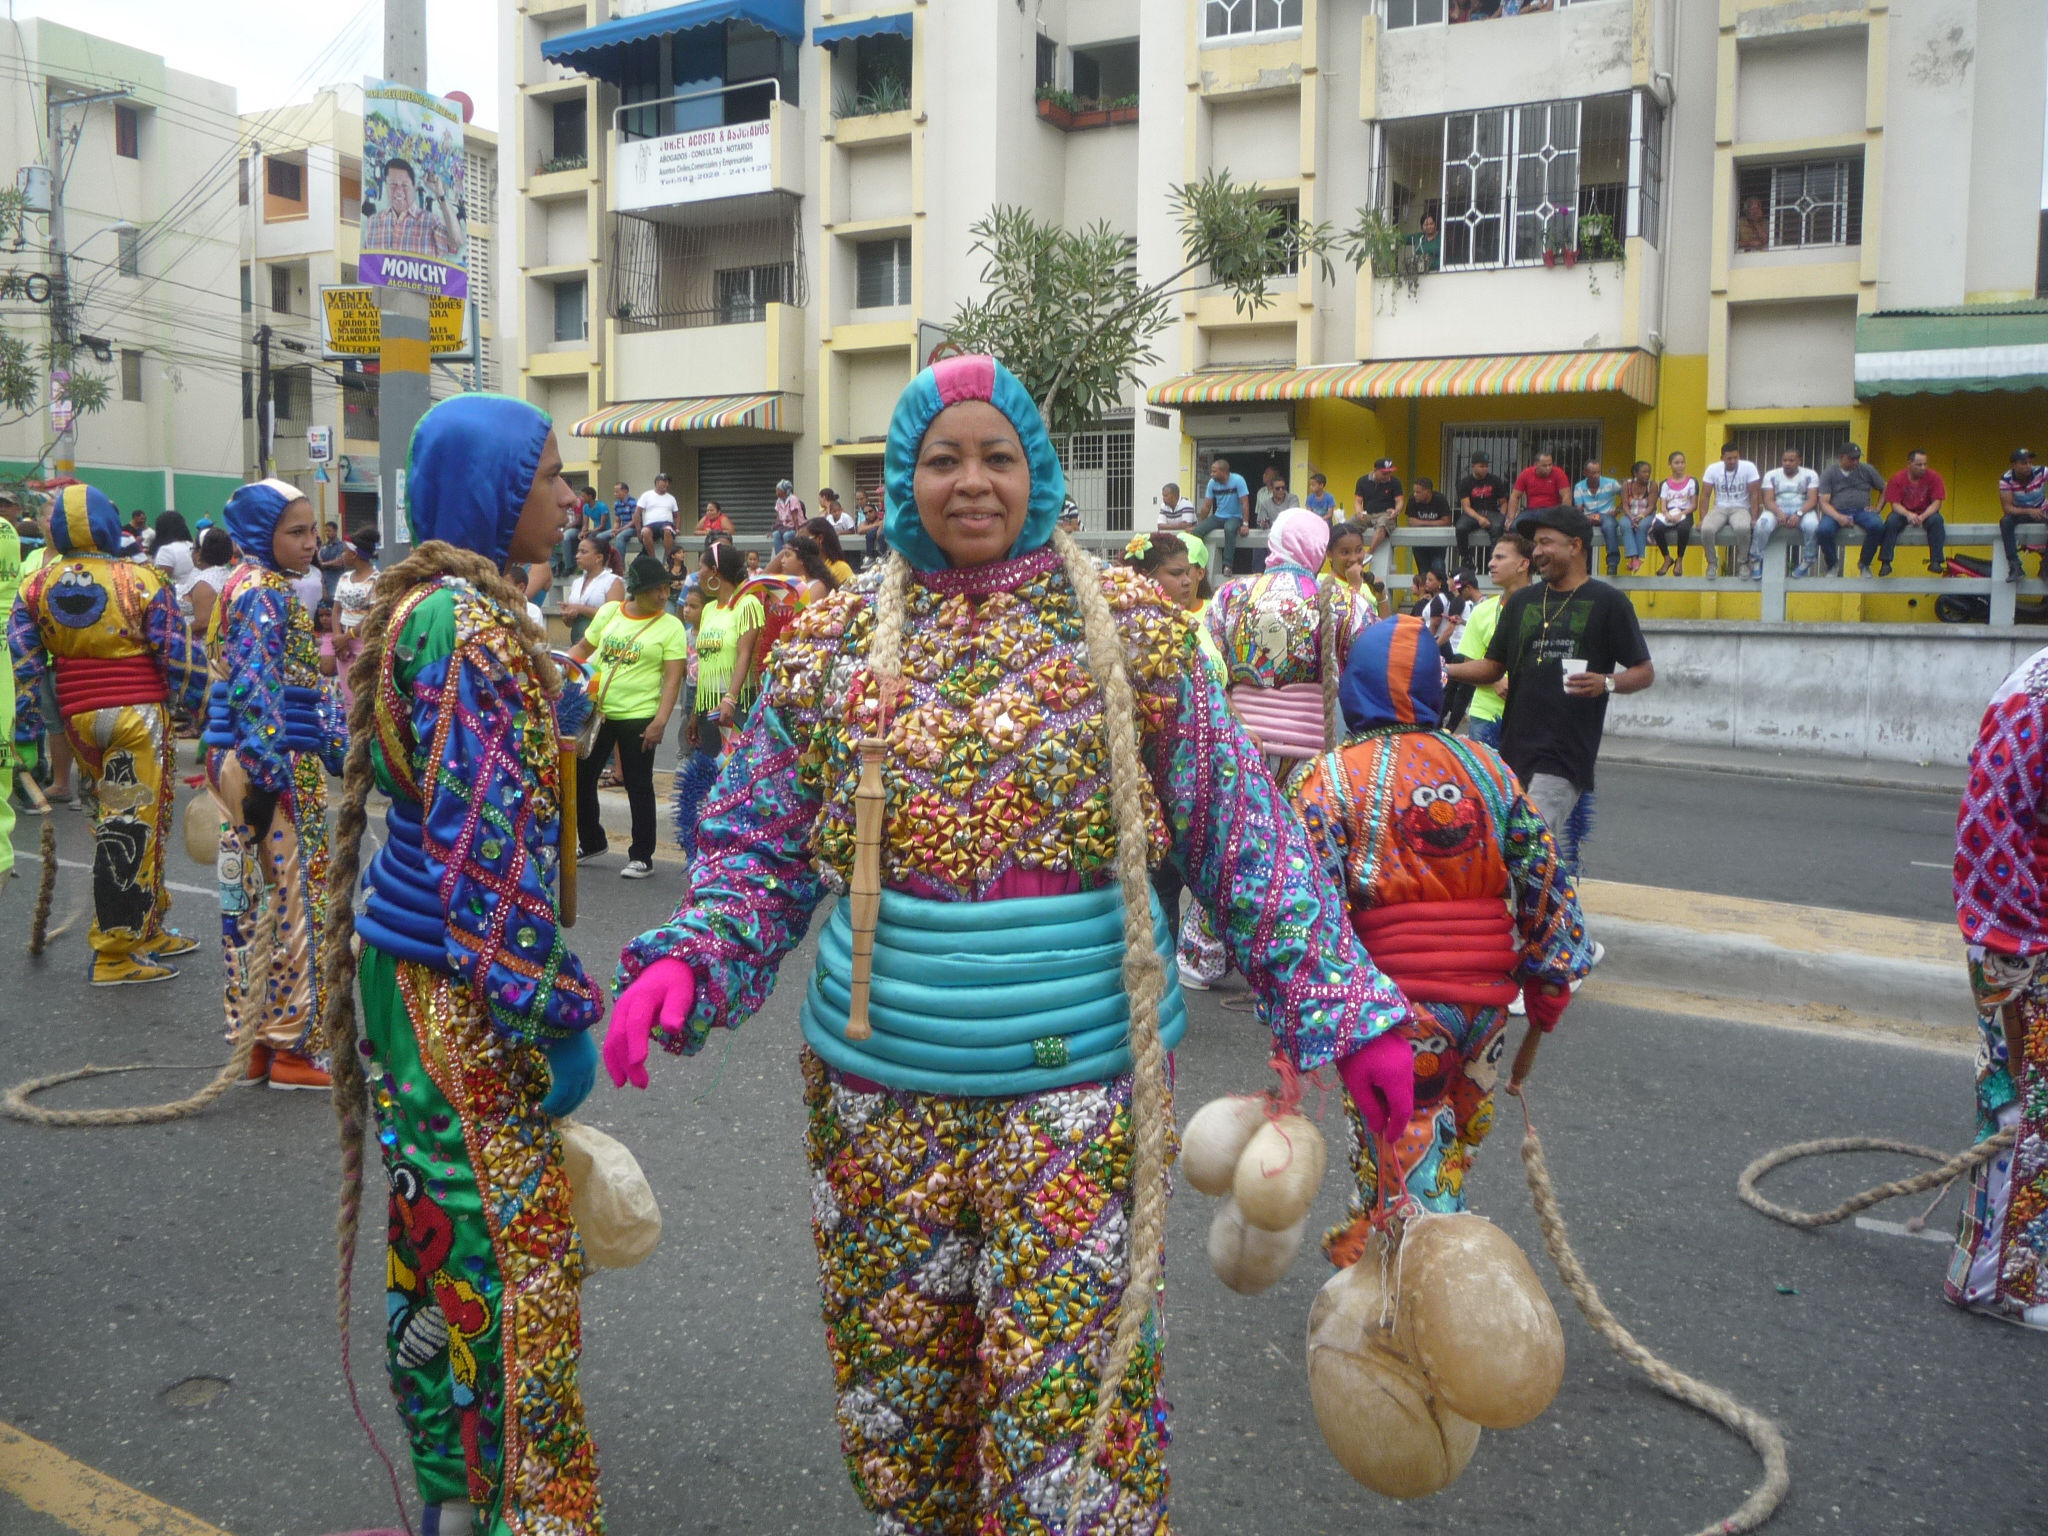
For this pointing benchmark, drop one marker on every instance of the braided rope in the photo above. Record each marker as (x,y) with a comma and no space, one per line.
(1760,1431)
(1326,633)
(46,892)
(1951,1168)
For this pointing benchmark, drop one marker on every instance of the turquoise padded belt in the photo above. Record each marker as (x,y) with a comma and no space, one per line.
(988,999)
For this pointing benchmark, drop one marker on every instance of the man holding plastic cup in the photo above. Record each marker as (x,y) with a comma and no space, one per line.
(1565,643)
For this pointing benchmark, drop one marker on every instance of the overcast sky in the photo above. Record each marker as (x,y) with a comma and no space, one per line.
(285,50)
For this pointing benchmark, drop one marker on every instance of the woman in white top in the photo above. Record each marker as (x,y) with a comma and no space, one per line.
(174,554)
(216,558)
(1676,498)
(353,595)
(593,585)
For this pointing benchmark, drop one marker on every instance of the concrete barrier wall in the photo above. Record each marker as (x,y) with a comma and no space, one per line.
(1909,693)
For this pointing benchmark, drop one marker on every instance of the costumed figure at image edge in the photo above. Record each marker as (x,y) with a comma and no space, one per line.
(475,1014)
(1457,894)
(988,1165)
(113,634)
(272,734)
(1284,635)
(2000,1266)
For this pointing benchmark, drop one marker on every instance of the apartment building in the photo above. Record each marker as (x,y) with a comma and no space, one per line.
(301,190)
(150,220)
(1620,227)
(743,224)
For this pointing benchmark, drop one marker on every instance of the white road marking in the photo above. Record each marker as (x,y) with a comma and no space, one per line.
(1899,1229)
(1923,864)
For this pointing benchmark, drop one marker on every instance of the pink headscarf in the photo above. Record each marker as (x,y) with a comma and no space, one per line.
(1298,537)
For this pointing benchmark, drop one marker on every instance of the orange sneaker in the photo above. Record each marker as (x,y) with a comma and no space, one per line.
(259,1063)
(289,1069)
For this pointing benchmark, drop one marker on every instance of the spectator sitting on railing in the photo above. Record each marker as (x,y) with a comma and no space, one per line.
(1223,508)
(1791,496)
(1539,487)
(1733,481)
(869,525)
(1845,493)
(1274,498)
(791,514)
(1176,512)
(1638,512)
(2023,498)
(1676,498)
(1598,495)
(614,520)
(713,519)
(1428,508)
(1482,514)
(1319,500)
(1912,499)
(1377,502)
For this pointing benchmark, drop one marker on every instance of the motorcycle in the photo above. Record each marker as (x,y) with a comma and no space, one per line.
(1975,608)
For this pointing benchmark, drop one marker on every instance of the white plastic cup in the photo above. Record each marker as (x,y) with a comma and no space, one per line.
(1572,668)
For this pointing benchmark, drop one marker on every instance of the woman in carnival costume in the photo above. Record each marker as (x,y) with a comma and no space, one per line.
(1457,894)
(273,732)
(476,1016)
(111,630)
(1284,634)
(989,1163)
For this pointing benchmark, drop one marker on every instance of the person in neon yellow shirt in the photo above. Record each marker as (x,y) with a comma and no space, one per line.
(640,649)
(1509,569)
(727,631)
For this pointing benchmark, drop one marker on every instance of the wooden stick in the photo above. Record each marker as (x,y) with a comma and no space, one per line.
(869,802)
(30,787)
(566,751)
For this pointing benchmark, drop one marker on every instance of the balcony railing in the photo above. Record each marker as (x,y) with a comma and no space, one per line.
(721,270)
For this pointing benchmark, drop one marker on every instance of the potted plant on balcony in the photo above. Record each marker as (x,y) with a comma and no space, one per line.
(1598,242)
(1058,107)
(1124,110)
(1553,243)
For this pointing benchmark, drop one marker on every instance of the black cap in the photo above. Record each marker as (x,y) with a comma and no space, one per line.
(646,572)
(2021,453)
(1850,451)
(1384,464)
(1569,521)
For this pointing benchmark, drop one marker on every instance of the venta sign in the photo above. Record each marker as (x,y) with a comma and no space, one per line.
(689,167)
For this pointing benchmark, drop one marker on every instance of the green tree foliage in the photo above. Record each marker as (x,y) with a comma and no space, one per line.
(25,364)
(1067,312)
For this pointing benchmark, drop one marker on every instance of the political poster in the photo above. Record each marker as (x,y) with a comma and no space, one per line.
(413,225)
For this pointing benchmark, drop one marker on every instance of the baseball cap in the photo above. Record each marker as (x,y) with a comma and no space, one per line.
(1850,450)
(1569,521)
(1384,464)
(645,572)
(2021,453)
(661,474)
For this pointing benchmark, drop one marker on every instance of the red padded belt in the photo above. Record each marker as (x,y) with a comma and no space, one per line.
(106,682)
(1461,952)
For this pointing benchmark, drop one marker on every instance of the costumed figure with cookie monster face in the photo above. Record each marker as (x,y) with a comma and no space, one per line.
(1457,894)
(111,631)
(272,735)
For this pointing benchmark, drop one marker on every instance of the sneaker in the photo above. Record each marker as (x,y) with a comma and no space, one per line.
(167,945)
(1862,572)
(1801,569)
(1599,953)
(126,971)
(2012,575)
(291,1069)
(591,855)
(636,869)
(1713,570)
(1884,567)
(1517,1008)
(1190,981)
(1938,567)
(259,1064)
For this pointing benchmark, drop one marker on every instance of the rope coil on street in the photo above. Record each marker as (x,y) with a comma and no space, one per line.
(1760,1431)
(1951,1168)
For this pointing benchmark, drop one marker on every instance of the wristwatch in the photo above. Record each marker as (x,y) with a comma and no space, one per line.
(1609,678)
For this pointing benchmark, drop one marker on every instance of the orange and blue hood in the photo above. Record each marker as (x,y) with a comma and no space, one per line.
(1393,676)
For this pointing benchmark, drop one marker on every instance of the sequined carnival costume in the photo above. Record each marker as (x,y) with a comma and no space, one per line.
(1455,891)
(973,1160)
(475,1012)
(2000,1265)
(271,736)
(112,632)
(1284,635)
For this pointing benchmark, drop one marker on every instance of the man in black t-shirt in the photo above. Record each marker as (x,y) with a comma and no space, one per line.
(1482,507)
(1564,646)
(1377,502)
(1428,507)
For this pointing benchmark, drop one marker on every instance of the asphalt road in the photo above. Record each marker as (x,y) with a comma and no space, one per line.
(135,1259)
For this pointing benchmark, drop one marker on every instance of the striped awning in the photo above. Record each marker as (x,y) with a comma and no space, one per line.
(1632,373)
(645,418)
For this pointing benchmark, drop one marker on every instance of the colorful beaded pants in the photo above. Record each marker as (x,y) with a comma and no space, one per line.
(127,757)
(483,1325)
(972,1254)
(2000,1262)
(1200,952)
(273,902)
(1457,1062)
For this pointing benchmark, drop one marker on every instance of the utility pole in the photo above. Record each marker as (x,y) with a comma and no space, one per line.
(405,354)
(266,419)
(63,323)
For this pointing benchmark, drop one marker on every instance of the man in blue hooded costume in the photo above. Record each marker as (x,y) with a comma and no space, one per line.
(990,1116)
(112,631)
(475,1014)
(272,735)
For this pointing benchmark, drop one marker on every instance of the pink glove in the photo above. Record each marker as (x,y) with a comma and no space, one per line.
(660,995)
(1380,1077)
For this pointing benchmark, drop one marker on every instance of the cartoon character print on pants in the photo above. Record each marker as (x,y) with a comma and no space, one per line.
(433,1316)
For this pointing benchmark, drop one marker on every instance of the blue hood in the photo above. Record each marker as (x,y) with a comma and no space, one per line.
(252,514)
(972,376)
(85,521)
(472,465)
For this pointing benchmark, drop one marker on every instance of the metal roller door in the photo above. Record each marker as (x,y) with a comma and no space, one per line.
(742,482)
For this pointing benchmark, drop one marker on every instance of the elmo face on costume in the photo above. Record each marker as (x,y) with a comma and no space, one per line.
(1440,821)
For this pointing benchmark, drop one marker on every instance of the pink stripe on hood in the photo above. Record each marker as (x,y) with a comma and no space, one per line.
(1298,537)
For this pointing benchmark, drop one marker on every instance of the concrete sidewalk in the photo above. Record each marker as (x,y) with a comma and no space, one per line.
(1803,767)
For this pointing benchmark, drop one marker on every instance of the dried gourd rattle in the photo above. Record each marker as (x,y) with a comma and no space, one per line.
(1267,1160)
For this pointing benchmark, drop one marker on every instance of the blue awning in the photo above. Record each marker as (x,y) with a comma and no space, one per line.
(896,24)
(595,50)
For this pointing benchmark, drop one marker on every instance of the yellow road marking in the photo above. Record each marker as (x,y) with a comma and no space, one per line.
(75,1496)
(1815,930)
(1812,1018)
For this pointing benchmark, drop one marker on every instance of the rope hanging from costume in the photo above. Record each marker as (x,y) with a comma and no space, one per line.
(1951,1168)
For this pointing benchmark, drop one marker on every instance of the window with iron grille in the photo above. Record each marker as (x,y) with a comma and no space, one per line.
(1048,73)
(479,276)
(1648,162)
(1413,13)
(286,181)
(1416,13)
(667,276)
(479,189)
(1098,469)
(128,255)
(1241,19)
(1818,442)
(744,293)
(882,273)
(1513,446)
(127,133)
(572,139)
(248,290)
(358,403)
(1798,204)
(571,322)
(291,393)
(131,374)
(1289,210)
(281,290)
